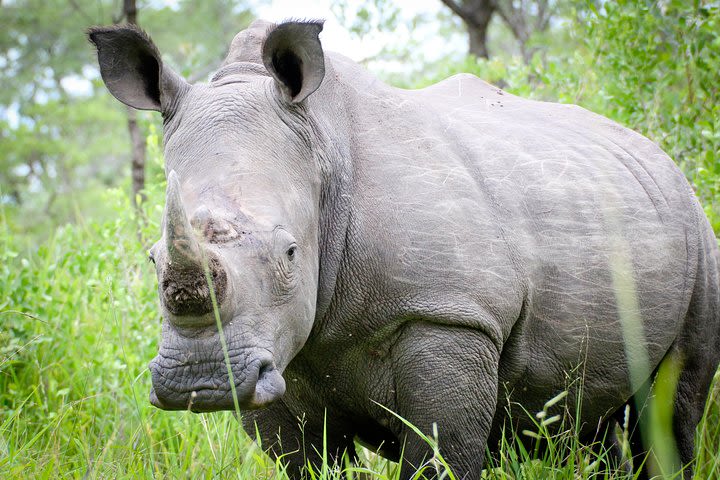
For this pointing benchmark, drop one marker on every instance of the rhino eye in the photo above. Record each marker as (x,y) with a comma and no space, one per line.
(151,257)
(291,252)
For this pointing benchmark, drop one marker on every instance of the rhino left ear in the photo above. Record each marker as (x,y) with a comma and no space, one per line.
(131,67)
(293,55)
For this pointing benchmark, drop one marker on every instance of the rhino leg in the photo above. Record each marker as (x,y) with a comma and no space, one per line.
(447,376)
(690,401)
(688,406)
(697,351)
(284,436)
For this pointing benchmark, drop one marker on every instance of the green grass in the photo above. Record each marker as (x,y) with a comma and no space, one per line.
(80,322)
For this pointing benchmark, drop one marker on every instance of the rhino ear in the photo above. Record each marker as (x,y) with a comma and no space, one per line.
(131,67)
(293,55)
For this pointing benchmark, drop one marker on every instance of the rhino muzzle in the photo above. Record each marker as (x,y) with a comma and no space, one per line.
(181,381)
(191,370)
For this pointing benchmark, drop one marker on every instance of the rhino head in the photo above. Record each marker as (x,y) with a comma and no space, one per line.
(237,263)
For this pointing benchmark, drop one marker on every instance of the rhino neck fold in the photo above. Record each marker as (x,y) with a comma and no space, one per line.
(331,144)
(238,72)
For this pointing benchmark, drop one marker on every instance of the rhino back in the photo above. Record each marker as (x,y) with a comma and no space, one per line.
(570,240)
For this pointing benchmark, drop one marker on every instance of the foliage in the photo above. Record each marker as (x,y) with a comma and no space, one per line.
(48,135)
(668,57)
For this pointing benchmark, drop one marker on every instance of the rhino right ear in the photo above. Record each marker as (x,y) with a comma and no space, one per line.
(131,67)
(293,55)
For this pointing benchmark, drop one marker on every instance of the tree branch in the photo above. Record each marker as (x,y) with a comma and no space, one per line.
(458,10)
(85,16)
(513,18)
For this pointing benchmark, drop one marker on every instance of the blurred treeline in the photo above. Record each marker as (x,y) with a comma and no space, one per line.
(63,139)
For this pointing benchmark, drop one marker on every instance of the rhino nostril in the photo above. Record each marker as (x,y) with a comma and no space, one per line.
(265,367)
(270,384)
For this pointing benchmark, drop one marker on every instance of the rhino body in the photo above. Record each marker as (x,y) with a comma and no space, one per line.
(455,254)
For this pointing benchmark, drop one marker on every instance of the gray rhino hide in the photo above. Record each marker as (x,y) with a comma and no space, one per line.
(472,254)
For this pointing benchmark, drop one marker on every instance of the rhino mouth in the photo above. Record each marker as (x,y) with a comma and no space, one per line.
(181,383)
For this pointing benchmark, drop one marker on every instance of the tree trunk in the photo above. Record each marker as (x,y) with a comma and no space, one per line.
(137,139)
(476,15)
(478,40)
(522,17)
(137,165)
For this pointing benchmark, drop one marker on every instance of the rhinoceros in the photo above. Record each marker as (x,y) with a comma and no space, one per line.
(344,260)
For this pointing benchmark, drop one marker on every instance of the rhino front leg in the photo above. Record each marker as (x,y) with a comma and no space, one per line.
(292,439)
(445,376)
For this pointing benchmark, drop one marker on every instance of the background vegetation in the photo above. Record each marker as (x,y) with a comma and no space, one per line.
(77,298)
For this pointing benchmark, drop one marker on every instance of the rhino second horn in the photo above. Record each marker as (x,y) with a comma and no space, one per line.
(183,248)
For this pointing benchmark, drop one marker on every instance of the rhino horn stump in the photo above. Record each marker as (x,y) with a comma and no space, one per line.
(185,287)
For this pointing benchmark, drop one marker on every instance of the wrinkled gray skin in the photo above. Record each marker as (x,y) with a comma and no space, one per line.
(451,253)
